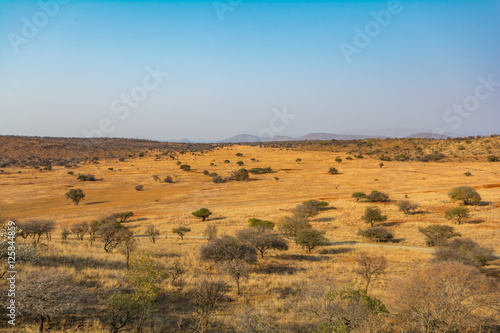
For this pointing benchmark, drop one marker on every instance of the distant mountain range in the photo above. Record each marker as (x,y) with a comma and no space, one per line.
(326,137)
(350,135)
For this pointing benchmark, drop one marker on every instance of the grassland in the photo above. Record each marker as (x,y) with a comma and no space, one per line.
(274,281)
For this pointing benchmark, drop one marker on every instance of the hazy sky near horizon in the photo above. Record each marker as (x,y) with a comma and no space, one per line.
(209,70)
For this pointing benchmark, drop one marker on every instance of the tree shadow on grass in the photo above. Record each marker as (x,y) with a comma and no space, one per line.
(390,224)
(95,203)
(278,269)
(78,262)
(324,219)
(338,250)
(478,221)
(301,257)
(217,218)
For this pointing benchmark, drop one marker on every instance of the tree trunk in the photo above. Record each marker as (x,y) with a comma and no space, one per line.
(40,328)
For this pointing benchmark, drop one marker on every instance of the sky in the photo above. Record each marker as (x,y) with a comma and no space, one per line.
(209,70)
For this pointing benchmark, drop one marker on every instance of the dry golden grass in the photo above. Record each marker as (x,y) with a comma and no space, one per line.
(35,194)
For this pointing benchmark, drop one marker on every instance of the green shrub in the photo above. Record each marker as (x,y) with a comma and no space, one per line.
(376,234)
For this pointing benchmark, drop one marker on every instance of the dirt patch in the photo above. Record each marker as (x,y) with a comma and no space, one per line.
(490,185)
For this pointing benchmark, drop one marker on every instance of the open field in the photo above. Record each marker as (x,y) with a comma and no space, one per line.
(275,280)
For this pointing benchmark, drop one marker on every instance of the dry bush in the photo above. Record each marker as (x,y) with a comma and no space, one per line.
(369,267)
(445,297)
(262,239)
(228,248)
(465,251)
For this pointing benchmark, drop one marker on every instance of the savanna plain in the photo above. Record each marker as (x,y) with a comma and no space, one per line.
(111,235)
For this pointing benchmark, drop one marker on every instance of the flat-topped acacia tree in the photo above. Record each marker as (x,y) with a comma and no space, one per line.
(202,213)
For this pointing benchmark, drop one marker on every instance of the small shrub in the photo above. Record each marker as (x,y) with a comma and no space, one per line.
(86,177)
(467,174)
(376,234)
(492,158)
(407,206)
(377,196)
(333,171)
(185,167)
(240,163)
(139,187)
(168,179)
(256,223)
(70,172)
(338,159)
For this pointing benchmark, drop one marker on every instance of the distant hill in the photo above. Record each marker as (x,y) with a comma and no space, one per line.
(254,138)
(330,136)
(311,136)
(428,136)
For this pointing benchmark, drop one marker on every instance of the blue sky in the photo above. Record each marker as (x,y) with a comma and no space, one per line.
(234,65)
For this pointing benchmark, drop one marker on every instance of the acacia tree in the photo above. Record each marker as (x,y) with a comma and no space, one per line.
(75,195)
(128,244)
(210,232)
(202,213)
(369,267)
(358,195)
(152,233)
(79,229)
(93,228)
(207,294)
(372,215)
(123,216)
(228,248)
(311,238)
(407,207)
(457,213)
(181,231)
(262,239)
(290,225)
(438,234)
(47,293)
(237,270)
(109,231)
(468,195)
(445,297)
